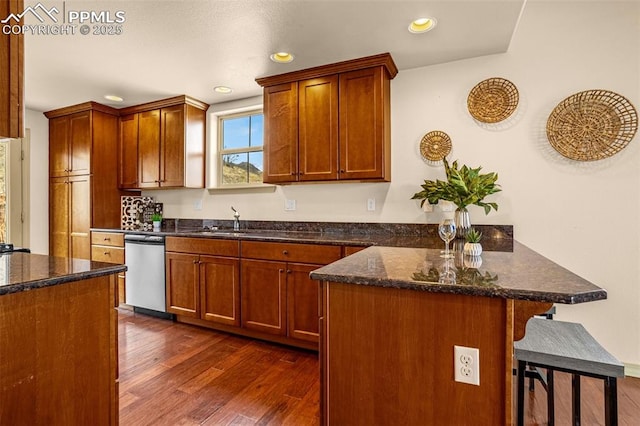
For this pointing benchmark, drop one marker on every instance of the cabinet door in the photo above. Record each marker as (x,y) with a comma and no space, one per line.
(220,290)
(182,284)
(59,146)
(263,292)
(363,123)
(172,144)
(302,302)
(149,149)
(281,133)
(59,217)
(80,143)
(12,80)
(318,132)
(128,152)
(80,217)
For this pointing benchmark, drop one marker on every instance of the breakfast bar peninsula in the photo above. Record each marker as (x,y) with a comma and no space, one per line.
(58,341)
(391,316)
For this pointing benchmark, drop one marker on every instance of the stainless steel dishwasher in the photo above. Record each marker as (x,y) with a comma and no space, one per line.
(145,285)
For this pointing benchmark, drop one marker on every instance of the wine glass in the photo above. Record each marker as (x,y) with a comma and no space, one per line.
(447,232)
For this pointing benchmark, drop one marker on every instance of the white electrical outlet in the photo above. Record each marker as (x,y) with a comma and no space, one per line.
(371,204)
(466,365)
(197,205)
(290,205)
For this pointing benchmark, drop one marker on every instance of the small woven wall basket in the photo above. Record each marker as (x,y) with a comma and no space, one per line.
(493,100)
(592,125)
(435,145)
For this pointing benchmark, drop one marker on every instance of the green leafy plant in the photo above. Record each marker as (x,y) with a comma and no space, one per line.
(156,217)
(464,186)
(473,236)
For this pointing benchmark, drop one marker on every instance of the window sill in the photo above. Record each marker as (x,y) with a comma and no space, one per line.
(253,188)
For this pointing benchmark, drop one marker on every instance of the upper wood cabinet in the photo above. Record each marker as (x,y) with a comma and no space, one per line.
(128,152)
(162,144)
(329,123)
(11,76)
(70,145)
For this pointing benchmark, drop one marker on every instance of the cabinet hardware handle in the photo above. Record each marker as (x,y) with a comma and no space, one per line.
(285,252)
(281,270)
(301,173)
(195,262)
(341,170)
(293,173)
(106,253)
(107,239)
(288,271)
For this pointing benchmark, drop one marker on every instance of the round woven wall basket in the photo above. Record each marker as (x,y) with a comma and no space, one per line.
(592,125)
(493,100)
(435,145)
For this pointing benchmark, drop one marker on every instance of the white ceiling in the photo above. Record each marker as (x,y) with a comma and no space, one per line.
(171,48)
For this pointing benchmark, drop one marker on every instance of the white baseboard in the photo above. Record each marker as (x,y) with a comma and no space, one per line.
(632,370)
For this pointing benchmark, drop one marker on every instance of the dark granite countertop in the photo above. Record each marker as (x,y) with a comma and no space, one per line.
(521,274)
(26,271)
(496,237)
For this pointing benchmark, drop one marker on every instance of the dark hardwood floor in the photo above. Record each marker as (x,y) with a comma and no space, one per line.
(176,374)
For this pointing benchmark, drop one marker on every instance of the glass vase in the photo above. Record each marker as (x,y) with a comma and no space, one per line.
(462,221)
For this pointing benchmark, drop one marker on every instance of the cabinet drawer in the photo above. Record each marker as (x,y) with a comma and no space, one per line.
(107,254)
(115,239)
(291,252)
(210,246)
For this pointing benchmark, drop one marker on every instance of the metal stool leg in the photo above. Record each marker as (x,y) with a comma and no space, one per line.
(575,400)
(522,366)
(611,401)
(551,408)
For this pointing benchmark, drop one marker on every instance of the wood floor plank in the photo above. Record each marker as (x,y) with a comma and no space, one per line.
(177,374)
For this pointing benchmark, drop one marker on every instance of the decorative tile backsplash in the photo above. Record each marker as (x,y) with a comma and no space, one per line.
(136,213)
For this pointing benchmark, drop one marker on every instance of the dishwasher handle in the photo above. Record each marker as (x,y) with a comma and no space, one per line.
(144,239)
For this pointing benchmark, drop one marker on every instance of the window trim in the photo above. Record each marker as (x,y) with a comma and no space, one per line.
(218,152)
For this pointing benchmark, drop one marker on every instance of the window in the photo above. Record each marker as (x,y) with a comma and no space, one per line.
(240,139)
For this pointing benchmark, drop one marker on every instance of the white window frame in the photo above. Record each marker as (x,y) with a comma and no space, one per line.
(215,159)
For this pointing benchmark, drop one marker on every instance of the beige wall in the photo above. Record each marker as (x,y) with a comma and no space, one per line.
(38,182)
(582,215)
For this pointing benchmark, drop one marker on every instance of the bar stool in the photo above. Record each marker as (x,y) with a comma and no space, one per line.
(568,347)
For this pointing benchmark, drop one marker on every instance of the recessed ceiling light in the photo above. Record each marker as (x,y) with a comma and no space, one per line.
(222,89)
(113,98)
(281,57)
(422,25)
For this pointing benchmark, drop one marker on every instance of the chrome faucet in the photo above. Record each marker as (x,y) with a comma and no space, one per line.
(236,219)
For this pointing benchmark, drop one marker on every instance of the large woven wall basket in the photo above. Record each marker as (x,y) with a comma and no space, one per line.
(592,125)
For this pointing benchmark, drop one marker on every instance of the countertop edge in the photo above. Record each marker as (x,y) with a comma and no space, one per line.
(499,292)
(62,279)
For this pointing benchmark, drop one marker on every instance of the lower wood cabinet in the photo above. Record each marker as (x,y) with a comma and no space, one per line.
(203,279)
(109,247)
(253,288)
(278,297)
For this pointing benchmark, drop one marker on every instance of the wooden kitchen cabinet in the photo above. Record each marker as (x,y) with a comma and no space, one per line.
(167,140)
(11,76)
(70,217)
(278,297)
(70,145)
(264,296)
(128,152)
(109,247)
(203,279)
(329,123)
(83,176)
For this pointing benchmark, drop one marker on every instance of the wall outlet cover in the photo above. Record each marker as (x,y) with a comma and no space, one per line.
(466,365)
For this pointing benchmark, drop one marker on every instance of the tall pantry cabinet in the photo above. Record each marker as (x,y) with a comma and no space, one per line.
(83,180)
